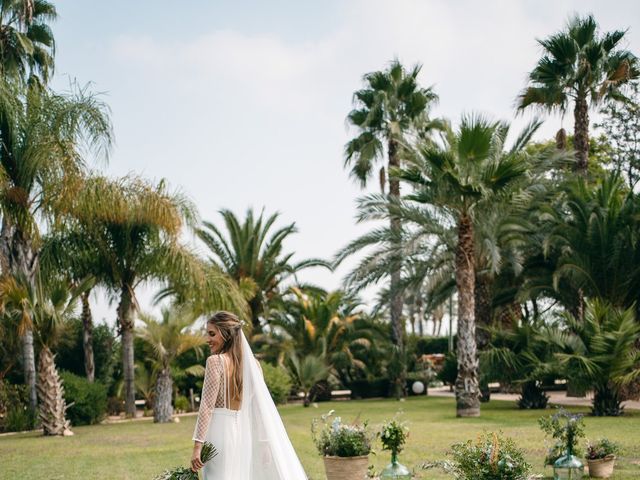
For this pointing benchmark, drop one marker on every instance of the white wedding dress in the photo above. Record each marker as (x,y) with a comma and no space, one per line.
(252,442)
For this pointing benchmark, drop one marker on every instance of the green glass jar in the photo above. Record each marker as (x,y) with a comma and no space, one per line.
(568,467)
(395,470)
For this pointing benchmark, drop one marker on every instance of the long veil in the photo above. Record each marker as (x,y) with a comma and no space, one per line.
(266,452)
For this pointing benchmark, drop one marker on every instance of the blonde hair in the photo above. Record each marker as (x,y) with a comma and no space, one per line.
(230,327)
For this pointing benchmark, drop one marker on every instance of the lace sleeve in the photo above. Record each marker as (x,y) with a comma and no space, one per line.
(210,388)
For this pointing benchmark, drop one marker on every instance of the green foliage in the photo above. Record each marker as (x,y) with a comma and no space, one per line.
(602,448)
(449,371)
(393,436)
(15,414)
(490,457)
(89,399)
(373,388)
(207,453)
(181,403)
(429,345)
(278,381)
(567,429)
(336,439)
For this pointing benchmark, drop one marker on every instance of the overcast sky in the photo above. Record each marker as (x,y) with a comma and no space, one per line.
(243,103)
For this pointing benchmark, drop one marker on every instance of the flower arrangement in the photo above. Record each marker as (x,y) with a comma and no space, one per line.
(185,473)
(393,436)
(566,428)
(336,439)
(603,448)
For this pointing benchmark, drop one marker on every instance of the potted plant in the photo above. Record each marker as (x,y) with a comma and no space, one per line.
(566,429)
(393,436)
(601,457)
(345,447)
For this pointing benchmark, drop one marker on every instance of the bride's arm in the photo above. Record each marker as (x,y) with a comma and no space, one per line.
(210,387)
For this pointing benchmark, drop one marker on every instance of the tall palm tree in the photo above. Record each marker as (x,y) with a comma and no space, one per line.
(41,163)
(26,41)
(581,66)
(133,230)
(390,114)
(252,254)
(458,179)
(168,339)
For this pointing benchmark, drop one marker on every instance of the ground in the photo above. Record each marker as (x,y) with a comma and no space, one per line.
(140,449)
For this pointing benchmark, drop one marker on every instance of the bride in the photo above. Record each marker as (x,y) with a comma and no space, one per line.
(237,414)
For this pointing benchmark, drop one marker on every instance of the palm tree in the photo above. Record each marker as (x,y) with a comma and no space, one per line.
(168,339)
(48,308)
(459,179)
(601,352)
(41,163)
(133,230)
(389,114)
(307,373)
(252,255)
(581,66)
(26,41)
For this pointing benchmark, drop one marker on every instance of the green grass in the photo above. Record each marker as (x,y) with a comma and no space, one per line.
(140,450)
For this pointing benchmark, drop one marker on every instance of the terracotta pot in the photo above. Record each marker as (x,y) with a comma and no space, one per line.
(601,467)
(346,468)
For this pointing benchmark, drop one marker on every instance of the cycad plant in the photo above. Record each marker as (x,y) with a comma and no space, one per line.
(167,339)
(583,67)
(601,352)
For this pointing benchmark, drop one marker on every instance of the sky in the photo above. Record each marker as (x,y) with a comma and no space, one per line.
(242,104)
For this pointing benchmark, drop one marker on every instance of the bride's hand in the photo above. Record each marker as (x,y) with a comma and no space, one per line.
(196,463)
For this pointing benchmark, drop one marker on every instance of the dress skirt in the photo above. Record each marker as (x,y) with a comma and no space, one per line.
(223,433)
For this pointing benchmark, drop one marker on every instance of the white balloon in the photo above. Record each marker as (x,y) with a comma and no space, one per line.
(418,387)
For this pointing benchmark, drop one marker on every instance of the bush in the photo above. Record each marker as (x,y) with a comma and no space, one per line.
(335,439)
(490,457)
(89,399)
(15,414)
(181,403)
(278,382)
(449,371)
(428,345)
(115,406)
(378,387)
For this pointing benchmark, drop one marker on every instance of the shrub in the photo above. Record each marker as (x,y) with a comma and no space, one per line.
(115,406)
(278,382)
(449,371)
(89,399)
(428,345)
(377,387)
(15,414)
(490,457)
(181,403)
(335,439)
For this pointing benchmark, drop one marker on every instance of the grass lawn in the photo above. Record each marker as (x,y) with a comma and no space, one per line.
(140,450)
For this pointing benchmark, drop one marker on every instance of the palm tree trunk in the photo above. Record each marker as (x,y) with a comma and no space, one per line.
(162,409)
(51,391)
(581,133)
(19,258)
(397,323)
(125,321)
(466,387)
(483,308)
(87,337)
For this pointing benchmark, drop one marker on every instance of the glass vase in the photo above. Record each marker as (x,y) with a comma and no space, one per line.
(568,467)
(395,470)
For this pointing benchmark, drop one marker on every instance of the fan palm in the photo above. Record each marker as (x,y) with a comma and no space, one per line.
(459,179)
(390,113)
(41,135)
(167,339)
(132,230)
(601,352)
(307,372)
(252,254)
(26,41)
(581,66)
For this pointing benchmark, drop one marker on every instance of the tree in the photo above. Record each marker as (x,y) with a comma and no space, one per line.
(307,373)
(581,66)
(389,114)
(253,256)
(43,136)
(621,125)
(601,352)
(133,231)
(26,41)
(167,340)
(458,180)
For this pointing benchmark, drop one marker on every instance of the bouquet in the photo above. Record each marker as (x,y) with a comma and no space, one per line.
(185,473)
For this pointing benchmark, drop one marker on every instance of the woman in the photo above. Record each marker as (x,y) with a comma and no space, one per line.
(237,414)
